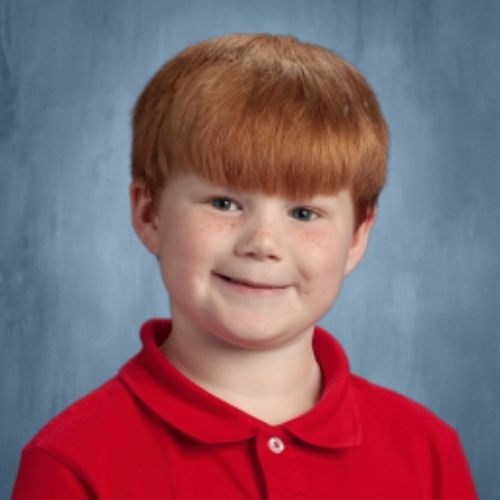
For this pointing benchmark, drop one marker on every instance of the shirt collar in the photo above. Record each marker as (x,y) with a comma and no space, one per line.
(332,423)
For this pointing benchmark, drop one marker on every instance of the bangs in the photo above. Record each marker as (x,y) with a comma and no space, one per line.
(262,144)
(262,113)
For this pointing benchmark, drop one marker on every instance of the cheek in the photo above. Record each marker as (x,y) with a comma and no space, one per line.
(323,256)
(315,241)
(183,248)
(191,242)
(210,232)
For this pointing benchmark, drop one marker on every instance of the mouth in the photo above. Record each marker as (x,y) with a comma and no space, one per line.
(249,284)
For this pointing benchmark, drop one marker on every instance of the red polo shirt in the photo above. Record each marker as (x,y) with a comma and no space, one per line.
(150,433)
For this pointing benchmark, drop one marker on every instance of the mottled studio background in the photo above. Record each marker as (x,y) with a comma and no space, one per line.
(420,315)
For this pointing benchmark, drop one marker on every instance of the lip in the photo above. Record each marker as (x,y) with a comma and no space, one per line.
(244,283)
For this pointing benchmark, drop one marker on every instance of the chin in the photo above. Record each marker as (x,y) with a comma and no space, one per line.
(255,337)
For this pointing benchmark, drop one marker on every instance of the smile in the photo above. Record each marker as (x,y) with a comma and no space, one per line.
(244,283)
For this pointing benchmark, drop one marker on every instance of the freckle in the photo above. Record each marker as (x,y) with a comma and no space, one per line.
(216,227)
(314,239)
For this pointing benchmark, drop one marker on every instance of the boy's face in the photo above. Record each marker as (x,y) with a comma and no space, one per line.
(249,269)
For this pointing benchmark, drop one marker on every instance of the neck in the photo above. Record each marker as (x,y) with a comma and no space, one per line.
(273,385)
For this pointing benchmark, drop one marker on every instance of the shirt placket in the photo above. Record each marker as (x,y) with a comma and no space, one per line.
(280,465)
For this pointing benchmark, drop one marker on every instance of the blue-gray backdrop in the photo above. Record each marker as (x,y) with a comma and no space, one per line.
(421,314)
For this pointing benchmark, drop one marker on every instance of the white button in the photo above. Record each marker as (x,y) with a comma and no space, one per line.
(276,445)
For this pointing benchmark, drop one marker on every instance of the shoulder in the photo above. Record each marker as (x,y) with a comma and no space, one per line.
(389,415)
(408,441)
(97,445)
(94,422)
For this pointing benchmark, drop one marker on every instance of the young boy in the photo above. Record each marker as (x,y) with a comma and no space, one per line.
(257,162)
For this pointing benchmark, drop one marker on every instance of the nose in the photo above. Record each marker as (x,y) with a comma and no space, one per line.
(260,240)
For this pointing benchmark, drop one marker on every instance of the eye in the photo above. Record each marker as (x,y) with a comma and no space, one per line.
(225,204)
(304,214)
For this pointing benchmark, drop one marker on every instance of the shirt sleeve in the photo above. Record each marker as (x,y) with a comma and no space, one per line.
(456,478)
(42,476)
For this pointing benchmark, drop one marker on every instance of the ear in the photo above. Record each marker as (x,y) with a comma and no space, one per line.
(144,215)
(360,241)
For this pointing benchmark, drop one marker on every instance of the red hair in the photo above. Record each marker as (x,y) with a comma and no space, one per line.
(262,112)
